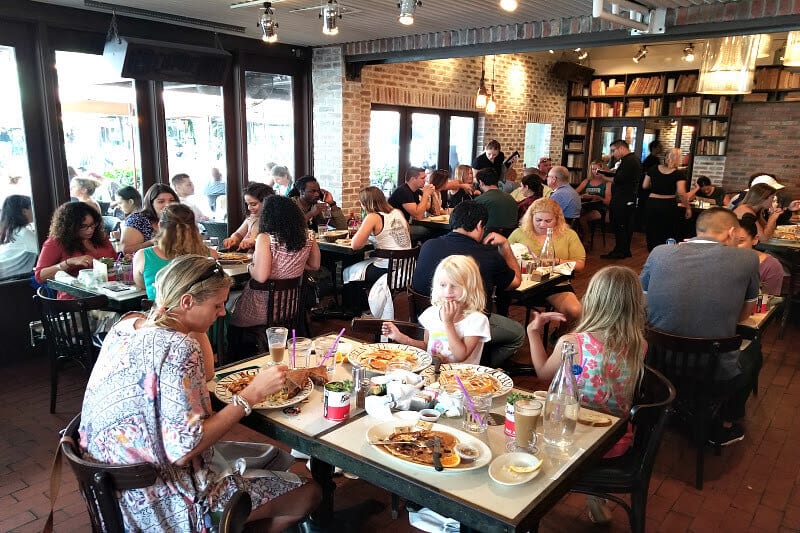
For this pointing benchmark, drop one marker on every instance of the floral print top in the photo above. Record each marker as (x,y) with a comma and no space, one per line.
(146,401)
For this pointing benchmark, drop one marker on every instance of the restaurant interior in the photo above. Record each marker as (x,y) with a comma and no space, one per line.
(356,92)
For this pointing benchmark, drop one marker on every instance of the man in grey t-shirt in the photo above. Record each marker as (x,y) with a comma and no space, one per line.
(702,288)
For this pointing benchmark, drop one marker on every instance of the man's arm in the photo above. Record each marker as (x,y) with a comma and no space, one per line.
(748,308)
(504,248)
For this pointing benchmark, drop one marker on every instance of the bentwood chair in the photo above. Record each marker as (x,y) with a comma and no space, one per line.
(68,334)
(284,301)
(630,473)
(100,483)
(417,303)
(401,267)
(691,365)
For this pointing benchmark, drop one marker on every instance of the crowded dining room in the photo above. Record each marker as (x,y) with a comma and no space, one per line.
(365,265)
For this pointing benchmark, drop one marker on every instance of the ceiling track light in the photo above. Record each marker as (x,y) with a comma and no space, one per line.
(407,8)
(688,53)
(508,5)
(480,99)
(582,54)
(329,14)
(268,24)
(640,54)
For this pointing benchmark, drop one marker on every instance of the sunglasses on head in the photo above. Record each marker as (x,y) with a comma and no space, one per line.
(213,269)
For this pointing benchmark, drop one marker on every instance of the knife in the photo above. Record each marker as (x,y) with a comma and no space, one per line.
(226,374)
(437,454)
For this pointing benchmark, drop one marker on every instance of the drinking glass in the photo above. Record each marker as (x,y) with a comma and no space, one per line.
(302,351)
(476,421)
(214,243)
(322,346)
(526,417)
(398,367)
(276,338)
(322,229)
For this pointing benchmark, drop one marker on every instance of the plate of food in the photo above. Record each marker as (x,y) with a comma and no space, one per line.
(375,357)
(476,378)
(515,468)
(344,242)
(412,445)
(299,385)
(233,258)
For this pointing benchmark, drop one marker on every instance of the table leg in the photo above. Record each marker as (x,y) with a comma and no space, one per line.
(322,473)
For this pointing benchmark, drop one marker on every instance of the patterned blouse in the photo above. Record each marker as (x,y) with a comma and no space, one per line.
(141,223)
(146,401)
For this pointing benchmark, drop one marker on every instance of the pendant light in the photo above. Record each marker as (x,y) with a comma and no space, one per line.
(728,65)
(491,105)
(480,99)
(791,57)
(269,27)
(330,13)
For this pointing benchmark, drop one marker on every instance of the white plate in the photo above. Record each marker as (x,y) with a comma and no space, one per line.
(359,356)
(223,393)
(384,429)
(504,381)
(500,473)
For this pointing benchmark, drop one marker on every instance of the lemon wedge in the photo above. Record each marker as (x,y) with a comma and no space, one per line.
(524,469)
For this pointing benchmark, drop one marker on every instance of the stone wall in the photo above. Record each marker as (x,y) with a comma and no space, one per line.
(327,78)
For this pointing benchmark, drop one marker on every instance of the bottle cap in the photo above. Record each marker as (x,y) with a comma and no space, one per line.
(577,370)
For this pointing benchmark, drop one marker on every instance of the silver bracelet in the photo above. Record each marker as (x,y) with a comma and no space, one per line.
(238,400)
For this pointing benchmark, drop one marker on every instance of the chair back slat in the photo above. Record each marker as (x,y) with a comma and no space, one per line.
(283,301)
(401,267)
(417,303)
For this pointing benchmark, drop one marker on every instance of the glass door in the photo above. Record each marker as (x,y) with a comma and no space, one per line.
(384,149)
(424,152)
(607,131)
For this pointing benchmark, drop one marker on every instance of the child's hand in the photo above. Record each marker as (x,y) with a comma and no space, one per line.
(390,330)
(540,319)
(451,310)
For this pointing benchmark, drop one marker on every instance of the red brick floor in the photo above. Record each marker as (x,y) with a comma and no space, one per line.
(752,486)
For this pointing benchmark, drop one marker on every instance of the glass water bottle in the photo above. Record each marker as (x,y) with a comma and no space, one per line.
(563,402)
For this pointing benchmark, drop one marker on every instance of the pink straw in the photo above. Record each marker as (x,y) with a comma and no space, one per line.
(470,405)
(333,347)
(294,345)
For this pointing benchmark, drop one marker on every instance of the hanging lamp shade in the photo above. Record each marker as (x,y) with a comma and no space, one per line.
(764,42)
(728,65)
(791,57)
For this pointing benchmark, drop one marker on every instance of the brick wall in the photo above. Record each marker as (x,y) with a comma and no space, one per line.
(327,78)
(763,138)
(523,89)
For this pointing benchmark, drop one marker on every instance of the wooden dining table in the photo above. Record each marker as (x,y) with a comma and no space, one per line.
(469,496)
(120,301)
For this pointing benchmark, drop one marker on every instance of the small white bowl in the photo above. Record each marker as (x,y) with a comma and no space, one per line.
(429,415)
(540,395)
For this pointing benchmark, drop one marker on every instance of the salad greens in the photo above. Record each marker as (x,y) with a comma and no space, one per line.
(340,386)
(514,396)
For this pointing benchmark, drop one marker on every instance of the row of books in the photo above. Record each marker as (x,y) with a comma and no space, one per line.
(713,128)
(576,128)
(599,87)
(640,107)
(688,105)
(711,147)
(686,83)
(575,160)
(651,85)
(776,78)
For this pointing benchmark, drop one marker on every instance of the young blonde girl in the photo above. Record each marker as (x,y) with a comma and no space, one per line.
(455,326)
(610,346)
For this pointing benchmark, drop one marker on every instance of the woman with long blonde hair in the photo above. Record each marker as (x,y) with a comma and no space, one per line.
(177,235)
(466,189)
(610,346)
(545,213)
(147,400)
(455,326)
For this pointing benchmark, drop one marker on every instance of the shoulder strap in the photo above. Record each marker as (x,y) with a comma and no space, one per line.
(55,481)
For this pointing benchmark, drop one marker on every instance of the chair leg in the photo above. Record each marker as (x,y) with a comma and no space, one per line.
(638,510)
(395,506)
(786,312)
(700,442)
(53,385)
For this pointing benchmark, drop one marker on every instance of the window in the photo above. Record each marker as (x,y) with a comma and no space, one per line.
(401,137)
(18,256)
(196,143)
(98,115)
(269,112)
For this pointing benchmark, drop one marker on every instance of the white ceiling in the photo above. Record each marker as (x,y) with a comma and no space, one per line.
(369,19)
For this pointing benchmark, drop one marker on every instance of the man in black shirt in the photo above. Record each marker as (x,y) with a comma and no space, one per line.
(498,266)
(623,199)
(413,198)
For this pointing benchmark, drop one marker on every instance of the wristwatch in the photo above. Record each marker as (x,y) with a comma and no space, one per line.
(238,400)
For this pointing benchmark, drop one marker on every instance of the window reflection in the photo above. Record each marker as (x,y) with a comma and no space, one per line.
(18,243)
(196,144)
(384,149)
(98,115)
(270,128)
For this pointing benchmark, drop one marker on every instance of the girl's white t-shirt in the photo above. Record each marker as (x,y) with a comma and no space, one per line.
(474,324)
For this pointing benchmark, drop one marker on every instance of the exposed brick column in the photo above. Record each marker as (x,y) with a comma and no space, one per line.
(327,78)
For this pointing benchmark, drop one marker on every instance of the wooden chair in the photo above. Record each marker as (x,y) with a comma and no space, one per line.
(401,267)
(691,365)
(630,473)
(99,484)
(372,326)
(68,334)
(417,303)
(284,308)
